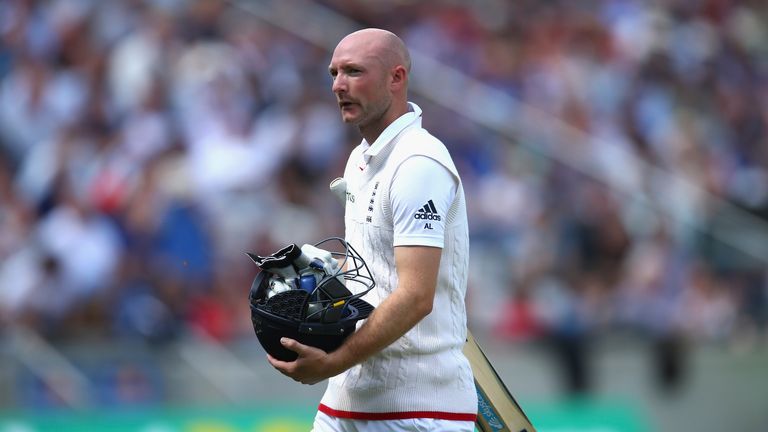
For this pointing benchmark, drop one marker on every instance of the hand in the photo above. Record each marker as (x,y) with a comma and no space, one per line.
(312,366)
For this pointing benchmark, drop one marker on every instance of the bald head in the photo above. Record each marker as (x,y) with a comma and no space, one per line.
(370,79)
(383,44)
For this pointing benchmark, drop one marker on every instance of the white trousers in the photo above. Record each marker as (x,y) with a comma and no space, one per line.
(326,423)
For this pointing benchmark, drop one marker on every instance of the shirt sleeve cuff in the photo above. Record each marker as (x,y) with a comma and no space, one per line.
(418,240)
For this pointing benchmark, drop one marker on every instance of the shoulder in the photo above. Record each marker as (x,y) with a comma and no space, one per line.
(423,141)
(419,142)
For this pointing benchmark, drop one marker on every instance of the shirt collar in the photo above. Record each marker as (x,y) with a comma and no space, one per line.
(413,116)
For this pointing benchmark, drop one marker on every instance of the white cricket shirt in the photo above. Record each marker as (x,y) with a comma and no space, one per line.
(404,189)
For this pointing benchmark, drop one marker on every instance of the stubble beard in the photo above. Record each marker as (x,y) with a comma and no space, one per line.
(373,117)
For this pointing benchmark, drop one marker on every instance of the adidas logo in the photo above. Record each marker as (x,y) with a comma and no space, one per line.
(428,212)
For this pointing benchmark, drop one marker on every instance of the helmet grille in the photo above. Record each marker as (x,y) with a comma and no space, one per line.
(288,304)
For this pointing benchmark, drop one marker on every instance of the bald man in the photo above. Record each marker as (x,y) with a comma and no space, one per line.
(403,369)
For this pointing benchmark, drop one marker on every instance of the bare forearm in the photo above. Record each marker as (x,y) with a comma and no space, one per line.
(389,322)
(409,303)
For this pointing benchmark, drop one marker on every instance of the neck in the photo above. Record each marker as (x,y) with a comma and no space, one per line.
(371,133)
(373,130)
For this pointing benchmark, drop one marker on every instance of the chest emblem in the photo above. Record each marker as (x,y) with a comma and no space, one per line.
(371,202)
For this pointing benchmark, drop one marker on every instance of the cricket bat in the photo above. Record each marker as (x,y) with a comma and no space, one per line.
(497,409)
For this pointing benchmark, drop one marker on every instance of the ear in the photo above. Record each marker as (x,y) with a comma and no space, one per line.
(399,77)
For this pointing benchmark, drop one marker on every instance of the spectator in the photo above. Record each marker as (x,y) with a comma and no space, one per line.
(190,125)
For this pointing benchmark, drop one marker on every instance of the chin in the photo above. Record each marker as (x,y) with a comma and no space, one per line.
(348,118)
(353,120)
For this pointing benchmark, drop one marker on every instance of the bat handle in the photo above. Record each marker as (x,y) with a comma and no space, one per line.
(339,188)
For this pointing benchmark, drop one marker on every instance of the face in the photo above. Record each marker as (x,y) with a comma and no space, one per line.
(360,84)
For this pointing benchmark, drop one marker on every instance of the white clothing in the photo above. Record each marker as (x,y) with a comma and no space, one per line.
(424,374)
(326,423)
(417,177)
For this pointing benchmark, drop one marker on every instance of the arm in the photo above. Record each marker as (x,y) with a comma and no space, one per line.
(411,301)
(416,266)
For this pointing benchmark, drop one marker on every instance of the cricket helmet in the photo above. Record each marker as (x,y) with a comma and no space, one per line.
(311,294)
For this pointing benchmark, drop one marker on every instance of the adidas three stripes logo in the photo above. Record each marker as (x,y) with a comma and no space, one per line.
(428,212)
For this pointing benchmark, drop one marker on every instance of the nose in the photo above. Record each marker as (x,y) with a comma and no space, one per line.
(339,84)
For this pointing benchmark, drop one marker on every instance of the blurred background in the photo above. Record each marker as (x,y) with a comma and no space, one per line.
(614,156)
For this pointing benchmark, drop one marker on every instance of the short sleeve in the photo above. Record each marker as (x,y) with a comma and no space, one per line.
(421,193)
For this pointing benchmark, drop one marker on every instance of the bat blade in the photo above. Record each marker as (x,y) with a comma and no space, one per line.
(497,409)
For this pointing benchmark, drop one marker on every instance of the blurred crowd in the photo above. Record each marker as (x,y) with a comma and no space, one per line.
(145,146)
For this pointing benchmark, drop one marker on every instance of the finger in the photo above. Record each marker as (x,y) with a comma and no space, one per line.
(301,349)
(293,345)
(277,364)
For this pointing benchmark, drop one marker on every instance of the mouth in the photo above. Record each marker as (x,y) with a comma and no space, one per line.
(343,105)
